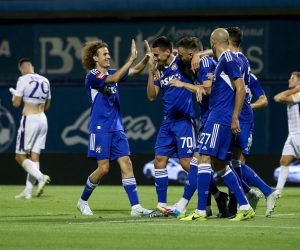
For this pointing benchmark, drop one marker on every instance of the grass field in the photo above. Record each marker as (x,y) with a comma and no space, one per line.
(53,222)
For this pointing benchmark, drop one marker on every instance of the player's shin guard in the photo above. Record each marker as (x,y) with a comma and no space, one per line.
(88,189)
(251,177)
(191,185)
(231,181)
(129,185)
(161,185)
(203,182)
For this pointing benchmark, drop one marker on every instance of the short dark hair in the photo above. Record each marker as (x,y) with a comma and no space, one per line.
(192,43)
(163,43)
(235,35)
(23,60)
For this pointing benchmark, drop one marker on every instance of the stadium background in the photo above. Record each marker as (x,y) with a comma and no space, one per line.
(51,33)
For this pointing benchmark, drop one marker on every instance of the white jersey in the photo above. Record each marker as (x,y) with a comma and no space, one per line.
(34,88)
(293,112)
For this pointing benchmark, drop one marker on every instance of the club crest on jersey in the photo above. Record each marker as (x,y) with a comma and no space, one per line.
(98,149)
(174,67)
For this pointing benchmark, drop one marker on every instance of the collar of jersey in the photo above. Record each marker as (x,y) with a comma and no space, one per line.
(171,62)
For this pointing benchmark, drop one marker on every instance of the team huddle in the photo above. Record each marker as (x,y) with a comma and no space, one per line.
(223,84)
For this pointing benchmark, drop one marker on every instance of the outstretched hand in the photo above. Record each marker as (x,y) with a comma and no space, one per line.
(133,50)
(148,49)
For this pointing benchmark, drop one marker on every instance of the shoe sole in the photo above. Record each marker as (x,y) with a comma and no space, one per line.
(41,190)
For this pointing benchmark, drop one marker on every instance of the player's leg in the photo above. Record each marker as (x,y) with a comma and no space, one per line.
(165,147)
(284,171)
(102,154)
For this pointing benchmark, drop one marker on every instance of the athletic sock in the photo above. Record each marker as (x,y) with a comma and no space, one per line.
(231,181)
(284,172)
(31,169)
(88,189)
(161,185)
(191,184)
(251,177)
(129,185)
(203,182)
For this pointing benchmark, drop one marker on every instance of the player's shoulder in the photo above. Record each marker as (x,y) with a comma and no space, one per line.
(229,56)
(207,61)
(95,73)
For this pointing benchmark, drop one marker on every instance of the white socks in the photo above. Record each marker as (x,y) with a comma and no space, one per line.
(30,180)
(182,204)
(31,168)
(284,171)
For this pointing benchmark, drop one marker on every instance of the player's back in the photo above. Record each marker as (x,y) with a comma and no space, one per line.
(246,115)
(177,102)
(207,65)
(34,88)
(222,97)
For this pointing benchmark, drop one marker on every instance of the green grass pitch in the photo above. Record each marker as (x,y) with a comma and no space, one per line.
(53,222)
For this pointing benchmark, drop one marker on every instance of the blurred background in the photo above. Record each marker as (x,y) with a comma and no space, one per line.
(51,33)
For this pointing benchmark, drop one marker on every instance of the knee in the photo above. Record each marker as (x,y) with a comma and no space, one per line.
(284,161)
(160,162)
(185,163)
(103,169)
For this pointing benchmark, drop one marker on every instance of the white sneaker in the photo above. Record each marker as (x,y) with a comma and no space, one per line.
(271,202)
(138,210)
(42,184)
(83,207)
(24,195)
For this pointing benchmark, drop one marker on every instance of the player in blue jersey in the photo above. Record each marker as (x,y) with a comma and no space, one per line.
(107,140)
(187,48)
(241,143)
(176,137)
(225,103)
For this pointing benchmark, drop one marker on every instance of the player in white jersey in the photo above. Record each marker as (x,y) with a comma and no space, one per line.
(291,149)
(34,90)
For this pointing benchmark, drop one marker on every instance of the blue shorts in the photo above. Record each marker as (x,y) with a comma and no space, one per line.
(215,140)
(244,138)
(176,139)
(111,145)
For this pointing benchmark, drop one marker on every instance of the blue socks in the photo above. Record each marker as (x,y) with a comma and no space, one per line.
(191,185)
(231,181)
(161,184)
(203,183)
(129,185)
(88,189)
(251,177)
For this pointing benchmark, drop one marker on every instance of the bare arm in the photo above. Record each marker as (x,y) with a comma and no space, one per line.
(238,104)
(261,102)
(286,96)
(197,57)
(47,104)
(152,90)
(16,101)
(116,77)
(137,69)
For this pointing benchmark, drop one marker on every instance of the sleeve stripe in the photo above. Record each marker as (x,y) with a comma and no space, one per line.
(228,56)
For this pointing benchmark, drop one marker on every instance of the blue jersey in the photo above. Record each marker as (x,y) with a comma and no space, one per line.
(177,102)
(207,65)
(104,99)
(246,115)
(255,88)
(222,97)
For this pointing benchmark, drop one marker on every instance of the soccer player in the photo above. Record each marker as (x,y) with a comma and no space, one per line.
(176,137)
(291,149)
(225,103)
(241,143)
(34,90)
(187,48)
(107,139)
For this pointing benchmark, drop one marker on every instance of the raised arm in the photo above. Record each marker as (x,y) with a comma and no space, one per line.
(197,57)
(285,97)
(137,69)
(116,77)
(152,90)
